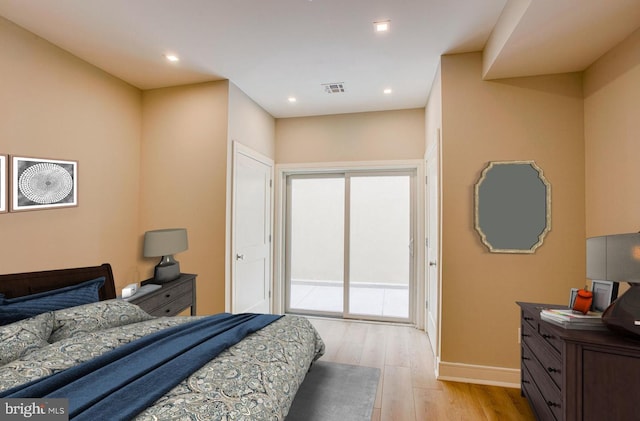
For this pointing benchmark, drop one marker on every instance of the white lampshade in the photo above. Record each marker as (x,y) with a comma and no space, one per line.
(165,242)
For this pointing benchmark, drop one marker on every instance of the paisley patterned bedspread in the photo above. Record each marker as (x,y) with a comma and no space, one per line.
(255,379)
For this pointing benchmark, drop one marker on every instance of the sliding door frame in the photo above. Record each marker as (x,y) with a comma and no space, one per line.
(417,290)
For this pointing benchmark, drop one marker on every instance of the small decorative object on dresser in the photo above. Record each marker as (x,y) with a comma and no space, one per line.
(172,298)
(583,301)
(576,375)
(38,183)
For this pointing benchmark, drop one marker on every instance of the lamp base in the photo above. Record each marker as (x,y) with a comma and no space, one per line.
(167,270)
(623,315)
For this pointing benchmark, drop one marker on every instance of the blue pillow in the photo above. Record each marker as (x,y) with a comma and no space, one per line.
(14,309)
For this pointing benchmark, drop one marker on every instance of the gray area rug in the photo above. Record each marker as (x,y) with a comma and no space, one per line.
(335,392)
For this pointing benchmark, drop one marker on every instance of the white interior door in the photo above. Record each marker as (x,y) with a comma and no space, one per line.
(433,245)
(251,234)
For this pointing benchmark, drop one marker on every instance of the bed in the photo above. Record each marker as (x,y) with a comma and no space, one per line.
(253,379)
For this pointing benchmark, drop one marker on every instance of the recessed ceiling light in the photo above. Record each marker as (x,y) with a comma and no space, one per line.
(292,99)
(382,25)
(387,91)
(172,57)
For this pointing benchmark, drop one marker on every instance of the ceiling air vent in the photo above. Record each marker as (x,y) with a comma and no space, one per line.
(333,88)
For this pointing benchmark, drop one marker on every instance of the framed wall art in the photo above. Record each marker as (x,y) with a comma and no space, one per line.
(3,183)
(38,183)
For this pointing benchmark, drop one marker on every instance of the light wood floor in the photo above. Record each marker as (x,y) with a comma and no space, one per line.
(408,389)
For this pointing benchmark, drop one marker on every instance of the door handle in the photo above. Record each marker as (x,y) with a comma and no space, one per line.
(432,263)
(239,256)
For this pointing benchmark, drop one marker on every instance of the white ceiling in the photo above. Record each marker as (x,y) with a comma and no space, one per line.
(273,49)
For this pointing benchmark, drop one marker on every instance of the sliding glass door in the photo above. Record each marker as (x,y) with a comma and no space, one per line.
(349,247)
(315,244)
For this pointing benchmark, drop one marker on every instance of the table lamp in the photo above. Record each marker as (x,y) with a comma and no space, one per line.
(165,243)
(617,258)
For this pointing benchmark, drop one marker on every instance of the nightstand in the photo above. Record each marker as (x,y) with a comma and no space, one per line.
(172,298)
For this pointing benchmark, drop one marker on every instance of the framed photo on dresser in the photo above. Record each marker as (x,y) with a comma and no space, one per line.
(604,292)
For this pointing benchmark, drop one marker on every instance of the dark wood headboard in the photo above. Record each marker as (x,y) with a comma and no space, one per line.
(19,284)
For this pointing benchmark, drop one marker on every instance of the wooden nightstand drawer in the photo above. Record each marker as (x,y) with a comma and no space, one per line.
(172,308)
(172,298)
(172,292)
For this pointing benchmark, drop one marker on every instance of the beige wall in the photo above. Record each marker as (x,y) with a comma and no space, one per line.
(433,112)
(537,118)
(184,180)
(250,124)
(53,105)
(612,141)
(385,135)
(147,160)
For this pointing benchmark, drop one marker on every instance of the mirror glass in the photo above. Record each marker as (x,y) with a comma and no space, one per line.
(512,206)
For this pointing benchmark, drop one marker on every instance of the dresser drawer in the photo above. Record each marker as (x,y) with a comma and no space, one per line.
(538,404)
(550,392)
(546,332)
(547,356)
(530,320)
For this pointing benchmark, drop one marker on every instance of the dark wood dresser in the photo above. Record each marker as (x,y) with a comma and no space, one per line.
(572,374)
(172,298)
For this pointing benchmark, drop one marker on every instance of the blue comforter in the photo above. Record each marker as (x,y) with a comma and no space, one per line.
(123,382)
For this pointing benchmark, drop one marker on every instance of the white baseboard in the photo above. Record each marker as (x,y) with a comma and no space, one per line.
(478,374)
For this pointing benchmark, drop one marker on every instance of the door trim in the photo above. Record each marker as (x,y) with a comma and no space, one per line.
(283,170)
(239,148)
(434,153)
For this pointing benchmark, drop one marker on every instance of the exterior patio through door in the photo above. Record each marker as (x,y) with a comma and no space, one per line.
(349,244)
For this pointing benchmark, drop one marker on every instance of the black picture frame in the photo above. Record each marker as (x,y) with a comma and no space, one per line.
(604,293)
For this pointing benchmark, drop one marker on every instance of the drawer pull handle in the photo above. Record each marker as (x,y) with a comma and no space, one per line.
(167,295)
(526,381)
(526,358)
(525,335)
(546,336)
(168,310)
(551,404)
(553,370)
(529,319)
